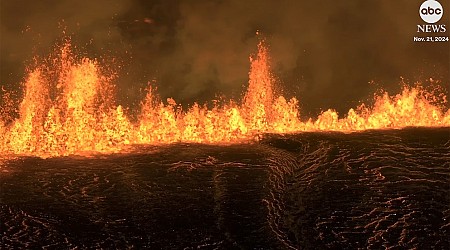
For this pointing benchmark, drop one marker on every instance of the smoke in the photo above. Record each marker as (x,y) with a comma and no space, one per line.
(31,28)
(329,54)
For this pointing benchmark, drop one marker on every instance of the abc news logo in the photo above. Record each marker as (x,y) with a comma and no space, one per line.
(431,11)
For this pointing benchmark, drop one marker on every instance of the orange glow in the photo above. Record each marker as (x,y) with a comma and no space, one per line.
(83,119)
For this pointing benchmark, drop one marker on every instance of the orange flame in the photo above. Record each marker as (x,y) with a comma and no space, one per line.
(83,119)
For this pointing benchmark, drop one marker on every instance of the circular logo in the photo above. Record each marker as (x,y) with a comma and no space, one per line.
(431,11)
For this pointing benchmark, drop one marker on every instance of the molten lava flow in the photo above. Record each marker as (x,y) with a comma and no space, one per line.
(83,118)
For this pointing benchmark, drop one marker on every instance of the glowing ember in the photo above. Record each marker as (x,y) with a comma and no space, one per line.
(83,119)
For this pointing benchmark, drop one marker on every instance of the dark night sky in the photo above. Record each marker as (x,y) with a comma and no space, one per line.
(325,53)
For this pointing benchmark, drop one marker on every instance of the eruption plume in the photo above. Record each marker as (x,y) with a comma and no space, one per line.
(83,118)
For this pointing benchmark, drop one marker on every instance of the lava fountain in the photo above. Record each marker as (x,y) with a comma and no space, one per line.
(67,109)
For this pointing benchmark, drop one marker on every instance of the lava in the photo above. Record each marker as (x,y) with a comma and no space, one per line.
(75,114)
